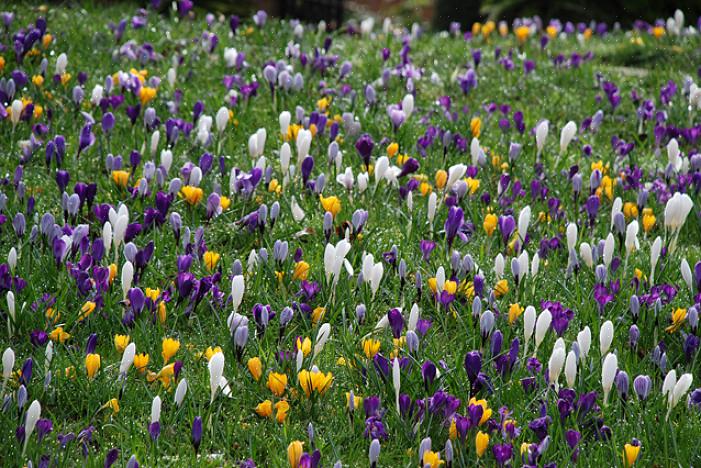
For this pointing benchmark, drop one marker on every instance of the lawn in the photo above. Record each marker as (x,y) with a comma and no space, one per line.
(250,241)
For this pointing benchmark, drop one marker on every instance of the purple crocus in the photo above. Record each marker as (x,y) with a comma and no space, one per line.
(364,146)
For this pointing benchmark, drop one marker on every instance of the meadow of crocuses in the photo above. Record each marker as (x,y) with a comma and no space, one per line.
(255,242)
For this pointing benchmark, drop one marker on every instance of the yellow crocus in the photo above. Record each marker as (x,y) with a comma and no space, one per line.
(264,409)
(121,342)
(59,335)
(486,410)
(432,459)
(315,382)
(476,127)
(121,178)
(141,361)
(146,94)
(169,347)
(301,271)
(87,309)
(648,219)
(522,33)
(112,404)
(331,204)
(211,259)
(294,453)
(501,288)
(371,348)
(515,311)
(277,382)
(92,364)
(630,454)
(211,351)
(192,195)
(318,314)
(678,318)
(481,443)
(255,367)
(305,345)
(281,410)
(490,223)
(441,178)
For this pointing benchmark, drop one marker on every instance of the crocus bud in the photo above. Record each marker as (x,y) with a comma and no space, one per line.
(529,320)
(374,452)
(634,307)
(693,318)
(486,323)
(633,335)
(216,371)
(584,342)
(642,385)
(605,337)
(541,328)
(571,368)
(180,392)
(557,360)
(608,373)
(622,384)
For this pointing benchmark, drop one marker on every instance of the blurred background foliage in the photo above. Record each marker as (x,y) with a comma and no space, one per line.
(440,13)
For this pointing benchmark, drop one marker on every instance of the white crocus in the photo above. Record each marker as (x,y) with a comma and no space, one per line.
(605,337)
(408,105)
(586,254)
(568,132)
(322,337)
(30,422)
(541,134)
(655,252)
(180,393)
(499,265)
(127,359)
(222,118)
(156,410)
(284,120)
(681,387)
(541,328)
(616,207)
(475,151)
(216,371)
(127,277)
(524,220)
(609,246)
(334,257)
(346,179)
(529,319)
(237,289)
(166,159)
(557,360)
(571,369)
(8,362)
(455,173)
(413,317)
(396,381)
(285,157)
(631,241)
(297,212)
(673,154)
(584,342)
(432,205)
(535,265)
(608,374)
(687,276)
